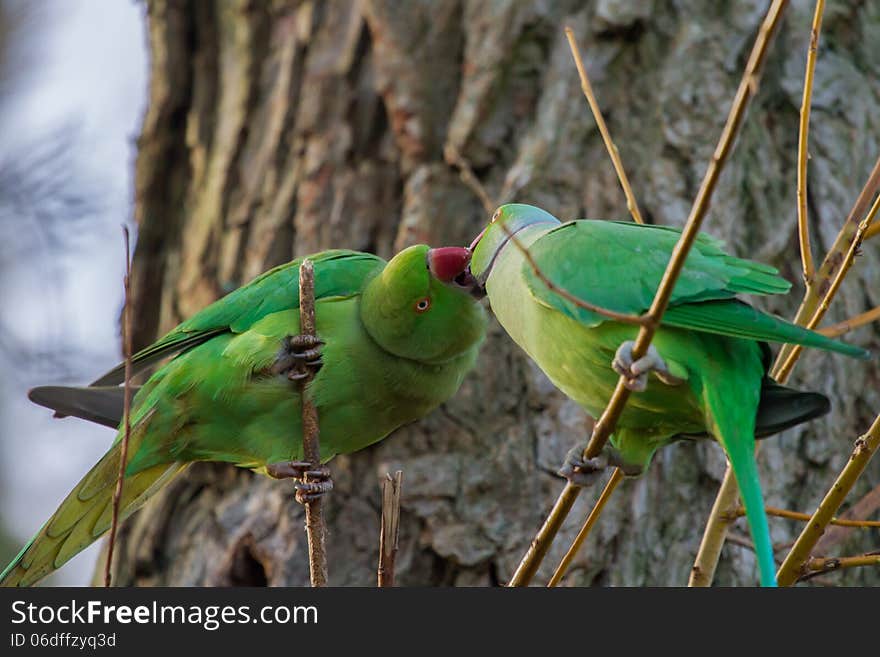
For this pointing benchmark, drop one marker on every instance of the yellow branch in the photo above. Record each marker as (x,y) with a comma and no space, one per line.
(820,565)
(803,517)
(784,370)
(587,88)
(864,449)
(803,134)
(616,478)
(602,430)
(852,323)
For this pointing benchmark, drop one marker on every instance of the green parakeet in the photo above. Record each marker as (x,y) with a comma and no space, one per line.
(395,340)
(706,372)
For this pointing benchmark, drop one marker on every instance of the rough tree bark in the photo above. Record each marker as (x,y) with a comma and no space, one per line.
(275,129)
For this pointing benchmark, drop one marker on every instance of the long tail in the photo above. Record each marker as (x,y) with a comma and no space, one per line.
(84,516)
(742,459)
(734,427)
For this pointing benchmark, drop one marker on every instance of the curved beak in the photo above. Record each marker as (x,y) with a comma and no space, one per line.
(450,265)
(447,262)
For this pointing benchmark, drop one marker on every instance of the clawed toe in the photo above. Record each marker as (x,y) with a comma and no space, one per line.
(311,481)
(299,358)
(635,371)
(579,471)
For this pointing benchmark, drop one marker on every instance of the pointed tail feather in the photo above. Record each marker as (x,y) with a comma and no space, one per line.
(781,408)
(745,470)
(84,516)
(102,405)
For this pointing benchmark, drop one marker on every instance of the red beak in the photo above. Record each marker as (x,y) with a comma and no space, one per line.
(447,262)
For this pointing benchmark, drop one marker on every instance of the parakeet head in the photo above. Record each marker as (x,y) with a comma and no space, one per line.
(420,305)
(508,220)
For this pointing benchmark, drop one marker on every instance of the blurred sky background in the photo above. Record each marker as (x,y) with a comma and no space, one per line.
(73,81)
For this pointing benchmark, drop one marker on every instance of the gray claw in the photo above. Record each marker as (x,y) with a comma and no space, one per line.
(299,357)
(288,469)
(635,372)
(579,471)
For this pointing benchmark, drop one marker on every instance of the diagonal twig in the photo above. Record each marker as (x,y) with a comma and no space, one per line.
(804,517)
(126,407)
(626,318)
(616,478)
(602,430)
(803,153)
(315,528)
(852,323)
(631,203)
(820,565)
(389,532)
(864,449)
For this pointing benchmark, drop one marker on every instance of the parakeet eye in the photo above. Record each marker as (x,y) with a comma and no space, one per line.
(496,216)
(423,304)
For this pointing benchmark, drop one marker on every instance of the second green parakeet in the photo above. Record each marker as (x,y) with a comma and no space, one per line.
(395,341)
(705,374)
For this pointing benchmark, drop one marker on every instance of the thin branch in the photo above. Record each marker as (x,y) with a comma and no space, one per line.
(866,506)
(468,177)
(852,323)
(805,517)
(803,136)
(616,478)
(126,407)
(833,260)
(715,533)
(785,369)
(873,230)
(820,565)
(315,528)
(389,532)
(602,430)
(864,449)
(626,318)
(587,88)
(815,297)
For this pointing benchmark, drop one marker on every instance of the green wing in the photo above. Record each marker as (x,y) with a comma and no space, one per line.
(619,265)
(338,273)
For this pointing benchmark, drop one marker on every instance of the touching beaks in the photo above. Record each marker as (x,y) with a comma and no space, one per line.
(447,262)
(450,265)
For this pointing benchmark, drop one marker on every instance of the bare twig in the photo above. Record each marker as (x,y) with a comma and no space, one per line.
(852,323)
(587,88)
(720,519)
(866,506)
(873,230)
(468,177)
(832,262)
(786,367)
(616,478)
(315,528)
(602,430)
(804,517)
(815,297)
(389,533)
(864,449)
(803,153)
(820,565)
(126,407)
(626,318)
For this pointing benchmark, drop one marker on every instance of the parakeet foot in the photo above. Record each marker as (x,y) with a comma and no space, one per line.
(299,354)
(636,372)
(579,471)
(288,469)
(311,482)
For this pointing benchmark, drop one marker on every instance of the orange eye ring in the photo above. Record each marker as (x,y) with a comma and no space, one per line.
(423,305)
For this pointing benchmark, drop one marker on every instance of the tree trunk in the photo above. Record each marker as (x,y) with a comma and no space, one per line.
(277,129)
